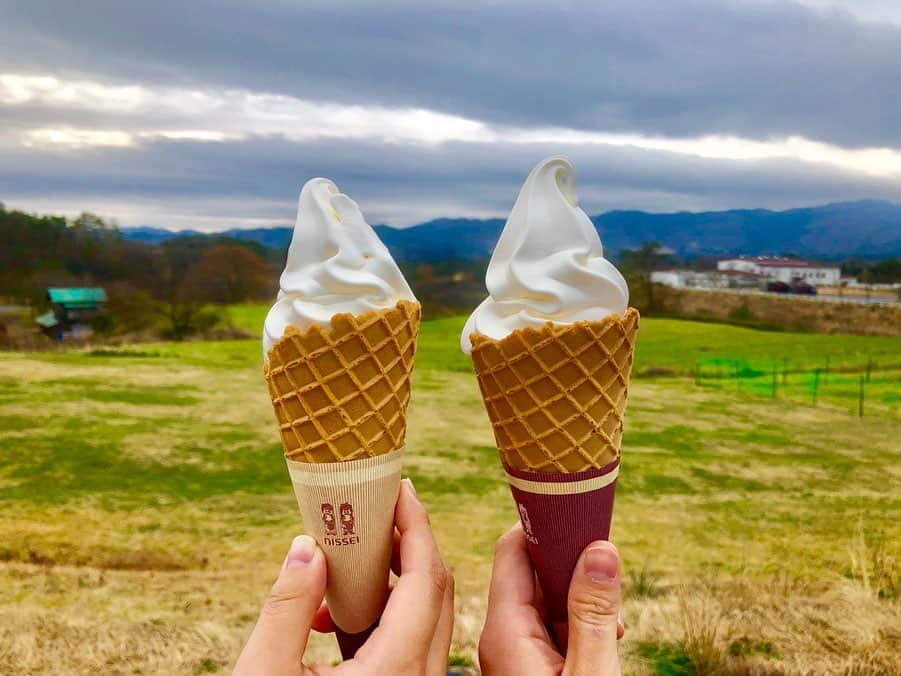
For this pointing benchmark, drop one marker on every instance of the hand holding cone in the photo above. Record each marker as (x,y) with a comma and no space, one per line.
(339,345)
(556,399)
(553,346)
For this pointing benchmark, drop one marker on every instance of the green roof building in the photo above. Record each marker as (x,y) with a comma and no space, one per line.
(72,310)
(91,297)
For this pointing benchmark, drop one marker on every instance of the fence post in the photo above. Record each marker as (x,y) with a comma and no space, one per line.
(816,385)
(860,399)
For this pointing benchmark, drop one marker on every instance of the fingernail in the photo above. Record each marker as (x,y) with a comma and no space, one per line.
(302,551)
(601,564)
(410,484)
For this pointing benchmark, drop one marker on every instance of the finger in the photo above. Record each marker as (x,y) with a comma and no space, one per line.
(280,636)
(405,631)
(514,617)
(562,629)
(395,554)
(437,660)
(512,577)
(594,605)
(538,603)
(322,620)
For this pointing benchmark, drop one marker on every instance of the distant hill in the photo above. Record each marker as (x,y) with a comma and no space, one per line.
(868,228)
(443,239)
(273,238)
(151,235)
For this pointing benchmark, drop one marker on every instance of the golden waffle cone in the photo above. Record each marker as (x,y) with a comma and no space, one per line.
(556,396)
(341,393)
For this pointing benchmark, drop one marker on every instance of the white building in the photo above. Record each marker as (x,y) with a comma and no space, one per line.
(673,278)
(708,279)
(785,270)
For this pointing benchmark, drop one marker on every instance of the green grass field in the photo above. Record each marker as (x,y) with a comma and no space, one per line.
(145,507)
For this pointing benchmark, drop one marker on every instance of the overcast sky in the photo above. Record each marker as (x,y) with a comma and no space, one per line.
(211,114)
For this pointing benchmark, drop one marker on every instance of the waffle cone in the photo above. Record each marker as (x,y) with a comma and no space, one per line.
(556,396)
(340,393)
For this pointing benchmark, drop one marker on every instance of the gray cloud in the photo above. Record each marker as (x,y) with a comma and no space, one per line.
(220,185)
(680,68)
(677,68)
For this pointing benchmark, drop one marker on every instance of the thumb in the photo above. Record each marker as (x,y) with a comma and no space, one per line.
(279,639)
(594,605)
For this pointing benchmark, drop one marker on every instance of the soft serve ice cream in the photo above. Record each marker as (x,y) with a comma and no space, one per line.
(338,346)
(336,264)
(548,265)
(552,347)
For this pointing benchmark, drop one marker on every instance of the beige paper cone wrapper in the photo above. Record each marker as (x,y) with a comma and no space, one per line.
(349,508)
(340,397)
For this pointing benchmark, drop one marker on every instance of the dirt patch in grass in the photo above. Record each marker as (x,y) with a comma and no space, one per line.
(103,559)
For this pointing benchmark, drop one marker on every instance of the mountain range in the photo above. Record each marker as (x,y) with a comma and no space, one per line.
(868,228)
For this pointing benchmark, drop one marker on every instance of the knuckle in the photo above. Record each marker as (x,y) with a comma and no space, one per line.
(431,582)
(594,609)
(438,576)
(504,542)
(279,601)
(274,606)
(415,666)
(487,650)
(412,663)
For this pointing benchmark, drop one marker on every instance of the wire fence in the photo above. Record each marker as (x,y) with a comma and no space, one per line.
(865,387)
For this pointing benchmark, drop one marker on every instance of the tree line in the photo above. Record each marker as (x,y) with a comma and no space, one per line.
(174,287)
(178,287)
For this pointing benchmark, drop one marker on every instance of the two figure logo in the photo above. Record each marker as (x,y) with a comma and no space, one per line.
(347,519)
(526,524)
(346,514)
(328,519)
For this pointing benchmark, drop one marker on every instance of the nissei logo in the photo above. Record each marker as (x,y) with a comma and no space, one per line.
(341,542)
(330,521)
(347,518)
(526,524)
(328,518)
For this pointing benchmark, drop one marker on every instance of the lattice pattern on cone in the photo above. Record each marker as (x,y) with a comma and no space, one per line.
(556,396)
(341,393)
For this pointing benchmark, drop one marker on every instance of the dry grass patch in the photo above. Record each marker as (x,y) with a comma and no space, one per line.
(758,536)
(763,626)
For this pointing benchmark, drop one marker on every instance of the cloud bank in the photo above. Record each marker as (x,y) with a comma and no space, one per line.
(212,114)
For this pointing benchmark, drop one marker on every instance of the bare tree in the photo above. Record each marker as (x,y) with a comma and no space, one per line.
(638,264)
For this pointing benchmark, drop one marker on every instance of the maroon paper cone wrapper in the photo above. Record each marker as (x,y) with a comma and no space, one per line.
(349,644)
(561,514)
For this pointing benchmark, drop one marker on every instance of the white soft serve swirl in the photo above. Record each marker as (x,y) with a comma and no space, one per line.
(548,265)
(336,263)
